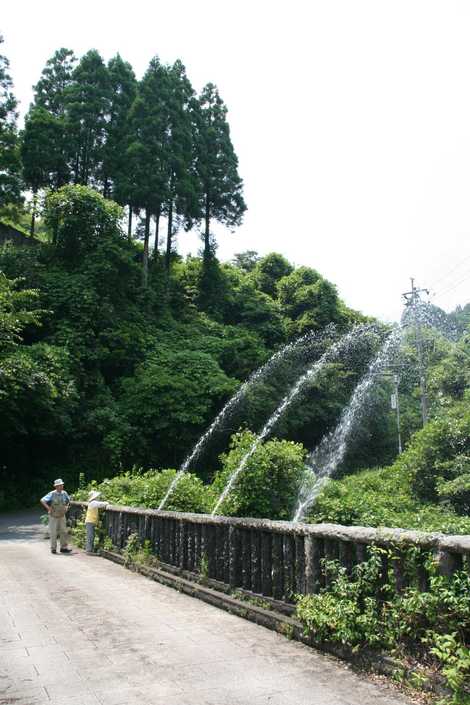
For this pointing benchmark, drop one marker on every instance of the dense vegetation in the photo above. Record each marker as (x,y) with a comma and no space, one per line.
(115,357)
(103,374)
(427,631)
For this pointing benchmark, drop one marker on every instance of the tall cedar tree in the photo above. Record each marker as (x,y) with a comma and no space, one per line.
(51,95)
(182,184)
(221,187)
(10,181)
(123,89)
(147,152)
(41,153)
(52,88)
(88,103)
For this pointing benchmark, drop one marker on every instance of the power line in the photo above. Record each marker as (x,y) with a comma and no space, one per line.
(451,271)
(454,286)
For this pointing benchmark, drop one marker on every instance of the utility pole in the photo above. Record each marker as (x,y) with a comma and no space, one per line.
(412,299)
(396,406)
(394,400)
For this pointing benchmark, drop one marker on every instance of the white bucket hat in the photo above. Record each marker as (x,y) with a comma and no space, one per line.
(58,482)
(93,495)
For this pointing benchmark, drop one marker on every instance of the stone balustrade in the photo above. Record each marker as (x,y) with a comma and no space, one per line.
(277,559)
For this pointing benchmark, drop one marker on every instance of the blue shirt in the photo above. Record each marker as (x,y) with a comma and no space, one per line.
(60,497)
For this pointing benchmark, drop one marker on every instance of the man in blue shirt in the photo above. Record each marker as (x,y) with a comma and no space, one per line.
(56,503)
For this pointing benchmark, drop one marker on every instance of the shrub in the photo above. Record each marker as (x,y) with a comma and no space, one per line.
(363,609)
(147,489)
(430,457)
(383,497)
(269,484)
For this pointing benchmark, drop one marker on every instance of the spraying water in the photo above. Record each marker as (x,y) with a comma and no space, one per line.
(257,376)
(330,452)
(341,346)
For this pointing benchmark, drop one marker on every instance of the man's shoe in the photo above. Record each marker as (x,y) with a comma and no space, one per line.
(66,550)
(53,550)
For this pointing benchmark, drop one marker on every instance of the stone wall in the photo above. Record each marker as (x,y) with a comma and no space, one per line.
(273,558)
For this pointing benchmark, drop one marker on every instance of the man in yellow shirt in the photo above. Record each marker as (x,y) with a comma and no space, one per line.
(91,519)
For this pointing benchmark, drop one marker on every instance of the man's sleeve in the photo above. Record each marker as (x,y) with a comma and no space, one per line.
(67,498)
(102,505)
(47,498)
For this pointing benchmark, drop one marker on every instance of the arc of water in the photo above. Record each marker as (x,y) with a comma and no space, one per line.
(310,375)
(233,401)
(331,450)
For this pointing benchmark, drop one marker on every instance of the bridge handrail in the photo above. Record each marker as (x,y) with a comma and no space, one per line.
(276,558)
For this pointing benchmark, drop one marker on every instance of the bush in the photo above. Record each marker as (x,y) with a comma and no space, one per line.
(383,497)
(363,609)
(430,457)
(147,489)
(268,486)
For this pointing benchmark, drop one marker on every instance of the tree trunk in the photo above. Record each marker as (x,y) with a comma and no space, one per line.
(33,212)
(157,230)
(129,224)
(207,246)
(169,237)
(145,263)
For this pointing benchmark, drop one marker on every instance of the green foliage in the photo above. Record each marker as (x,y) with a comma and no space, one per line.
(220,186)
(456,491)
(51,90)
(432,456)
(147,489)
(455,660)
(268,272)
(80,218)
(348,611)
(10,165)
(123,88)
(18,309)
(363,609)
(170,396)
(87,106)
(132,549)
(78,533)
(383,497)
(42,150)
(308,300)
(269,484)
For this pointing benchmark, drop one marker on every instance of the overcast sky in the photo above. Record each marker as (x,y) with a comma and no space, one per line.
(351,120)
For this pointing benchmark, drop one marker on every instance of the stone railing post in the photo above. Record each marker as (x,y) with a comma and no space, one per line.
(235,556)
(448,563)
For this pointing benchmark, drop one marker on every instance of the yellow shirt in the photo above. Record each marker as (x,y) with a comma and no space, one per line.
(92,511)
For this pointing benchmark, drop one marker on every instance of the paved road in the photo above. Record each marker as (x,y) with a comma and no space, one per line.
(80,630)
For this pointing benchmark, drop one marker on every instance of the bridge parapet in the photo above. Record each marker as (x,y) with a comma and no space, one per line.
(278,559)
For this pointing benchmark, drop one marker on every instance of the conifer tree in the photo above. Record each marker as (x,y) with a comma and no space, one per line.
(87,106)
(51,97)
(182,184)
(123,89)
(221,197)
(51,91)
(41,153)
(10,181)
(147,154)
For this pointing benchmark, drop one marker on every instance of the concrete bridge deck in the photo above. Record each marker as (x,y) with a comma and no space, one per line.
(79,630)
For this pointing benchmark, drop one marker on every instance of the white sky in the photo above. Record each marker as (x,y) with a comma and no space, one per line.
(351,120)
